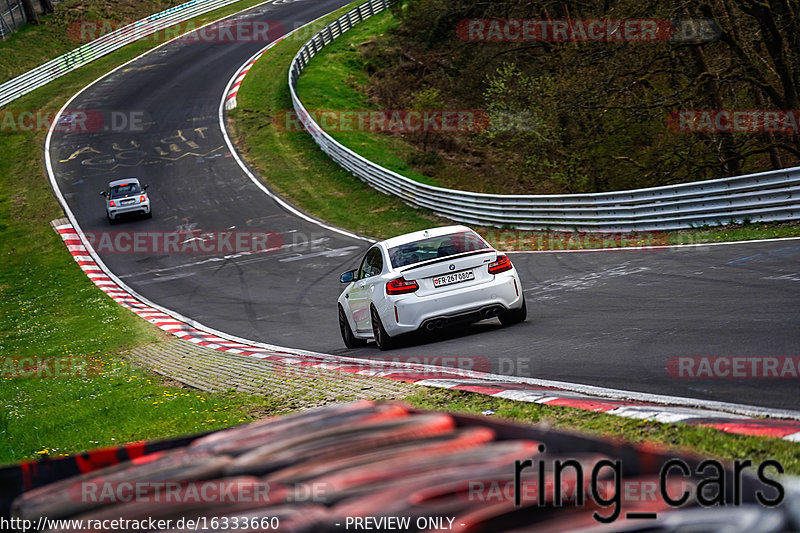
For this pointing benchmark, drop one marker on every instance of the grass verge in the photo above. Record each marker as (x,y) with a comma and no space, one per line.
(303,386)
(49,308)
(705,442)
(72,24)
(118,403)
(336,80)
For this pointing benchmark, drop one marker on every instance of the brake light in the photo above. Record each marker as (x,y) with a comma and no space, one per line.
(111,203)
(401,286)
(502,264)
(141,198)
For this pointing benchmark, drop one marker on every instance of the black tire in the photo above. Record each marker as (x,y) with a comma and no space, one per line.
(515,316)
(382,339)
(111,221)
(149,214)
(350,340)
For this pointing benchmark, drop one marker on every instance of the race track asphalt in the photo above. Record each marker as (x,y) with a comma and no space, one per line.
(609,319)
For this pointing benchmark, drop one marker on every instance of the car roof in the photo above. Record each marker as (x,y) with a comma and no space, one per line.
(123,181)
(424,234)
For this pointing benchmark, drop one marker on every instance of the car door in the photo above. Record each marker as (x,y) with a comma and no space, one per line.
(360,296)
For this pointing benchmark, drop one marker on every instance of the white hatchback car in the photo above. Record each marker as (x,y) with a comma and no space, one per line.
(126,196)
(427,280)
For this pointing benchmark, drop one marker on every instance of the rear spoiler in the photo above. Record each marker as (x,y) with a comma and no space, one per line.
(446,258)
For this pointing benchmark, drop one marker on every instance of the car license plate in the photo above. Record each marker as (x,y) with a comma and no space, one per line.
(455,277)
(128,202)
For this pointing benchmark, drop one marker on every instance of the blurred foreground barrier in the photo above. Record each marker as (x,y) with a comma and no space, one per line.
(388,467)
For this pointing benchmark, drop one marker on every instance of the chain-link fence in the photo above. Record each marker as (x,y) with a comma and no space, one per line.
(12,16)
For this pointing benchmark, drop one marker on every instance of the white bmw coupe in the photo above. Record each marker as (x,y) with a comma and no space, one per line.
(427,280)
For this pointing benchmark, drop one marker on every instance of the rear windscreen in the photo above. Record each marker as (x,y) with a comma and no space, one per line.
(124,190)
(435,247)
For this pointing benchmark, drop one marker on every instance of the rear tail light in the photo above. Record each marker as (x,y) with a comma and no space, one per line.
(401,286)
(502,264)
(111,203)
(142,198)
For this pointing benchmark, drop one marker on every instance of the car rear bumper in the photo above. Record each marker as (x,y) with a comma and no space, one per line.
(409,312)
(464,317)
(137,208)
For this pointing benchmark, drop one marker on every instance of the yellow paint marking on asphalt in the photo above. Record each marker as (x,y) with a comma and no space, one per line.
(76,153)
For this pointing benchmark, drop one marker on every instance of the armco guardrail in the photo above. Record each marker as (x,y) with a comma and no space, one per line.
(55,68)
(767,196)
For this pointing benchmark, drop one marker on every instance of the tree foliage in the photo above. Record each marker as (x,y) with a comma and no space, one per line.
(595,116)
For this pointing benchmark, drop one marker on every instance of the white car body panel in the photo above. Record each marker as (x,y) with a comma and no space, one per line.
(129,204)
(430,306)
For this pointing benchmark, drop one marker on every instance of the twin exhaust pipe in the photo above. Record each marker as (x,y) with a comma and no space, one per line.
(488,312)
(435,324)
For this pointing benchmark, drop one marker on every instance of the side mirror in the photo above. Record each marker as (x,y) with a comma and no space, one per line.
(102,193)
(348,276)
(144,187)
